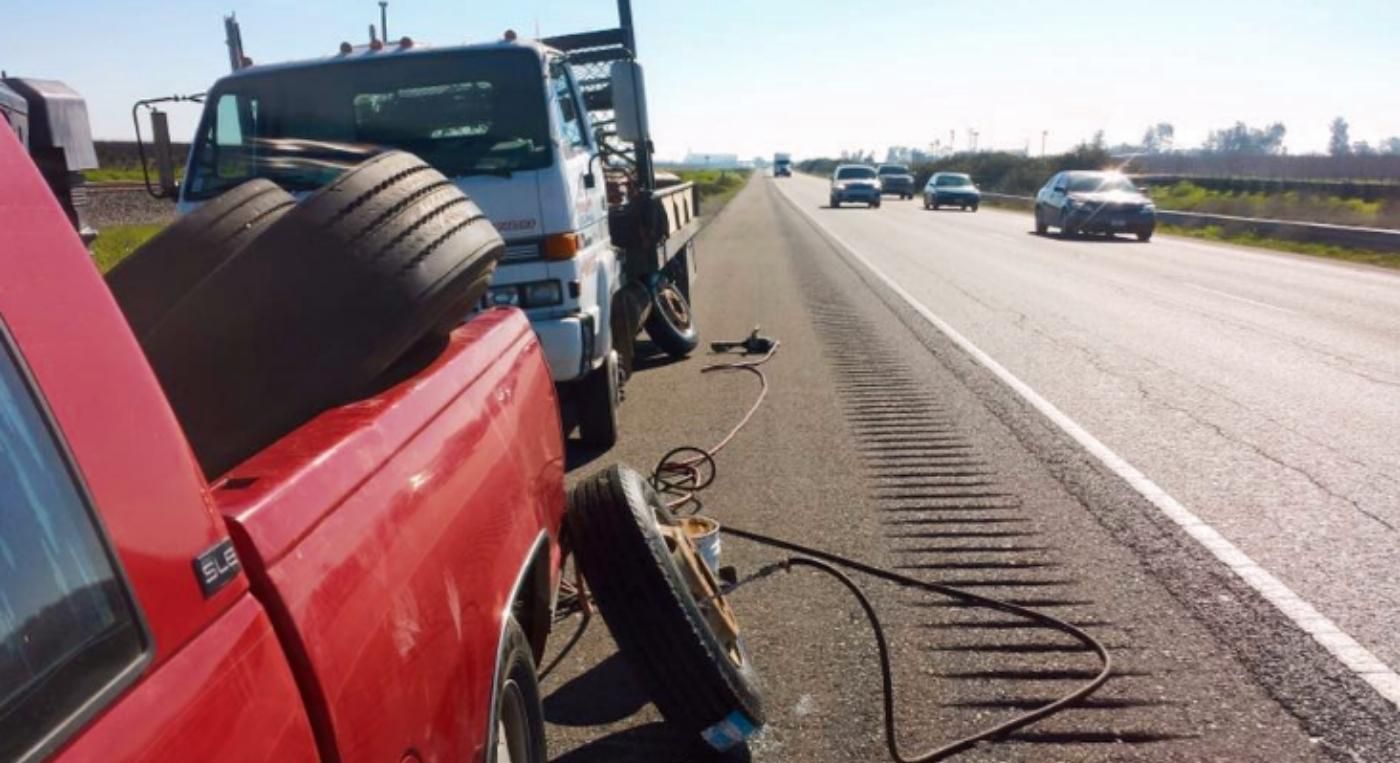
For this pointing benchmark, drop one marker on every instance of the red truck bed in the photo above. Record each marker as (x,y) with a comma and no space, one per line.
(426,549)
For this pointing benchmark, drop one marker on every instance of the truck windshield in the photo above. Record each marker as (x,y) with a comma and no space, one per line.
(854,173)
(894,169)
(464,112)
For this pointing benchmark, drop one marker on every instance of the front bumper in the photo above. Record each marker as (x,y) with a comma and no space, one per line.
(956,198)
(864,193)
(569,344)
(1108,219)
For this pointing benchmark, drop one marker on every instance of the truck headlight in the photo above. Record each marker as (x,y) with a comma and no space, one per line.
(543,293)
(503,296)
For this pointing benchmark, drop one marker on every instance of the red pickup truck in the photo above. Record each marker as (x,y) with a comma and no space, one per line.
(375,585)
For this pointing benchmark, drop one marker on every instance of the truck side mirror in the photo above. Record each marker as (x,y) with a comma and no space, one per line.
(629,101)
(163,154)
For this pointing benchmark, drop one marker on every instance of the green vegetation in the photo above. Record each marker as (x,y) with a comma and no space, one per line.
(1215,233)
(124,173)
(114,243)
(1186,196)
(716,187)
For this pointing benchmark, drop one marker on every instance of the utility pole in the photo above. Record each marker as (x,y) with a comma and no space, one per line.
(384,20)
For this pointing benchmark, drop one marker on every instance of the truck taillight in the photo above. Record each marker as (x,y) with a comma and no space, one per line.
(562,246)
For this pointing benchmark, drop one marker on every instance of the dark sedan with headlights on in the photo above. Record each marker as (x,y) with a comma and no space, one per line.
(1094,202)
(855,182)
(951,189)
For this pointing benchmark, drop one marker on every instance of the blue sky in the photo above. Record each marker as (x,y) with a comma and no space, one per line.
(815,77)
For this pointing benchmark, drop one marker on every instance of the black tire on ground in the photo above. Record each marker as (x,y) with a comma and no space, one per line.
(519,731)
(1144,235)
(695,679)
(671,324)
(835,203)
(936,205)
(926,204)
(324,301)
(595,402)
(1067,230)
(163,271)
(973,207)
(1040,227)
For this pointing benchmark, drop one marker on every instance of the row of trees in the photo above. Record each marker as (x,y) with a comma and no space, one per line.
(1160,138)
(1342,145)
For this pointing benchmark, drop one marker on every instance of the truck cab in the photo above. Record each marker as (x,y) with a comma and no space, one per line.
(782,166)
(509,123)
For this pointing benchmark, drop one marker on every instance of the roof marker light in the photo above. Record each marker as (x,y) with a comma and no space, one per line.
(510,35)
(406,42)
(376,45)
(346,48)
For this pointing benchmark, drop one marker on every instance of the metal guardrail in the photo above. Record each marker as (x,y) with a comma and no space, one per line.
(1373,239)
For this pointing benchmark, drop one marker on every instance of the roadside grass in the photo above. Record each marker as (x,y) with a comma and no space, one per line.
(123,173)
(716,187)
(1185,196)
(1348,254)
(116,242)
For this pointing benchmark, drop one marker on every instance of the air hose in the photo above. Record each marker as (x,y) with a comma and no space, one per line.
(684,472)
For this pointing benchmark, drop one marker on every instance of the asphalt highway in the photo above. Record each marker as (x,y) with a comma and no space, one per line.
(1256,389)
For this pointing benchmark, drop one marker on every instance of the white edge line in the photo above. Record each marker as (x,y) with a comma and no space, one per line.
(1237,298)
(1348,650)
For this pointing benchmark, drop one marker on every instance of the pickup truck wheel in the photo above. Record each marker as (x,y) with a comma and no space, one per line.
(329,296)
(671,324)
(163,271)
(519,728)
(596,404)
(648,582)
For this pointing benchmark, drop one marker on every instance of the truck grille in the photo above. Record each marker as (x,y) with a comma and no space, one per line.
(519,252)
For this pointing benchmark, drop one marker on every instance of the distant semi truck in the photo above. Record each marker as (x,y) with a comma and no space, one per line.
(782,166)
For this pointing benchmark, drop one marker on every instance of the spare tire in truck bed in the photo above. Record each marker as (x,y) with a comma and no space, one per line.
(152,279)
(326,298)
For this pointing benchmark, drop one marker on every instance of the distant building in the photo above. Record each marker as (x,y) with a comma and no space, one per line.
(712,161)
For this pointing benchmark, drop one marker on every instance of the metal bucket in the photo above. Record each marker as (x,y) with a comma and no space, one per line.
(704,533)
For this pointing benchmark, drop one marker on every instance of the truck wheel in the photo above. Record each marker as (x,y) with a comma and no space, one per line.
(149,282)
(519,730)
(313,311)
(1144,235)
(671,324)
(596,402)
(648,582)
(1040,227)
(835,203)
